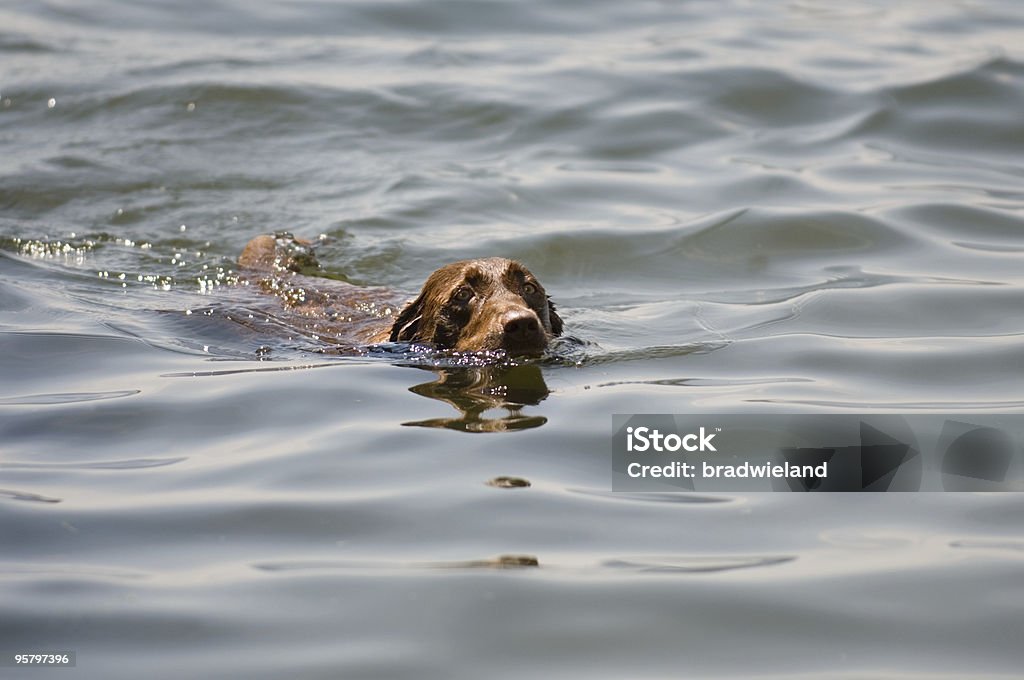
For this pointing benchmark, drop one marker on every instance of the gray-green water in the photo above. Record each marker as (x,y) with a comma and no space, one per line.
(803,206)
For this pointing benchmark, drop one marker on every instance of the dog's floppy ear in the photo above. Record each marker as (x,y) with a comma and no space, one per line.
(556,321)
(407,323)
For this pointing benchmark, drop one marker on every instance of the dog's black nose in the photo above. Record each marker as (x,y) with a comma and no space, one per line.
(522,326)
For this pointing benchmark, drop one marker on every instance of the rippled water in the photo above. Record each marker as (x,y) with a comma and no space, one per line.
(739,207)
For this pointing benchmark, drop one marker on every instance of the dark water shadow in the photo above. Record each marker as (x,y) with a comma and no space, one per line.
(474,390)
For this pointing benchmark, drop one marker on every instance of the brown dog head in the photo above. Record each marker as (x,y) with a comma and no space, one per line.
(478,305)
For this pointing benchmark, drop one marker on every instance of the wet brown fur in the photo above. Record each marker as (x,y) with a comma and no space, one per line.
(473,305)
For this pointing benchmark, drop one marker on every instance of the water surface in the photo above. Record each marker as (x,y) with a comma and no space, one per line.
(738,207)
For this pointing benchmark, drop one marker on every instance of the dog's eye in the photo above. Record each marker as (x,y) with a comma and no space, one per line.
(464,294)
(529,289)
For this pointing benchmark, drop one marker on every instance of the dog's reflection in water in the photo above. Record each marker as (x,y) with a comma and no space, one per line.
(488,398)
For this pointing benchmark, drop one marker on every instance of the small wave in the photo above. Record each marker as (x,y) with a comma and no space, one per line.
(697,564)
(682,497)
(126,464)
(1007,545)
(950,406)
(65,398)
(26,496)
